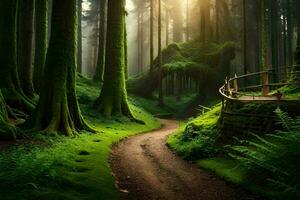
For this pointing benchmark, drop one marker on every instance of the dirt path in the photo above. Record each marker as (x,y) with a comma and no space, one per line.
(145,168)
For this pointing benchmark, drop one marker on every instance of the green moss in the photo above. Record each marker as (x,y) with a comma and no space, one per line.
(207,63)
(70,168)
(197,139)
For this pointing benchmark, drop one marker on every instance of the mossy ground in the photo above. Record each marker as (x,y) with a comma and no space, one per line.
(56,167)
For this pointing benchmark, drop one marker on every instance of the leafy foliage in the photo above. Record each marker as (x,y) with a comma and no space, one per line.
(274,158)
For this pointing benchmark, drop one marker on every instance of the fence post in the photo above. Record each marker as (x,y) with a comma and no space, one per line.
(265,83)
(227,86)
(235,86)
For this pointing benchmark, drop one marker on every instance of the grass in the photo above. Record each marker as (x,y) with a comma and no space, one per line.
(197,138)
(56,167)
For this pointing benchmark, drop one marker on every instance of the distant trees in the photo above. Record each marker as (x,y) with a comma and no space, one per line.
(160,86)
(177,16)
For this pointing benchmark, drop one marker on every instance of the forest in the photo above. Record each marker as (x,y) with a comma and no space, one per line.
(149,99)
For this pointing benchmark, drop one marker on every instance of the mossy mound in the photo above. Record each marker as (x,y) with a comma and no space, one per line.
(208,134)
(197,138)
(207,63)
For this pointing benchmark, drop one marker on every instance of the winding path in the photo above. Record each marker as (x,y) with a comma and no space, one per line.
(146,169)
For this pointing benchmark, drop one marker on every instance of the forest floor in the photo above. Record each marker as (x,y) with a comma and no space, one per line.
(46,166)
(145,168)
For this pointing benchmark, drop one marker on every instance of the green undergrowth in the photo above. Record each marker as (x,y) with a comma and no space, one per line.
(56,167)
(267,164)
(173,107)
(259,154)
(207,63)
(197,138)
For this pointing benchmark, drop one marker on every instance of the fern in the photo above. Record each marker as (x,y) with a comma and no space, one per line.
(274,156)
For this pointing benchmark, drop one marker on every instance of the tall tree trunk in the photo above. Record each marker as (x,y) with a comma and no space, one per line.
(167,26)
(187,26)
(245,39)
(58,109)
(296,68)
(79,42)
(263,39)
(151,34)
(113,96)
(160,86)
(139,41)
(102,41)
(41,42)
(26,9)
(126,50)
(205,20)
(142,41)
(274,36)
(177,16)
(9,80)
(218,14)
(289,33)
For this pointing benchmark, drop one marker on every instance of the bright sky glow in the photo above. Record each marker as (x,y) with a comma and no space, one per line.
(85,6)
(129,5)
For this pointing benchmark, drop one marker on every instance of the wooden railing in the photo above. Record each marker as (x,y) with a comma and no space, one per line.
(237,88)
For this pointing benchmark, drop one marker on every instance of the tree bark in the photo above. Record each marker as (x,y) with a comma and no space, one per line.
(41,42)
(274,36)
(160,87)
(102,41)
(113,96)
(25,31)
(7,130)
(9,79)
(58,109)
(245,38)
(151,34)
(263,39)
(79,32)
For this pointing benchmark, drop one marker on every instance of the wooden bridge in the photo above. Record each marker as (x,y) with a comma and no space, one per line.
(265,86)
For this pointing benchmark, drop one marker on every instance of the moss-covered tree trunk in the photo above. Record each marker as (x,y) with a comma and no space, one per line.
(160,79)
(113,96)
(151,34)
(263,36)
(7,130)
(26,17)
(79,41)
(41,38)
(9,79)
(58,109)
(102,41)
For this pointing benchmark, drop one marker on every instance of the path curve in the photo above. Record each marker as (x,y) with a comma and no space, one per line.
(146,169)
